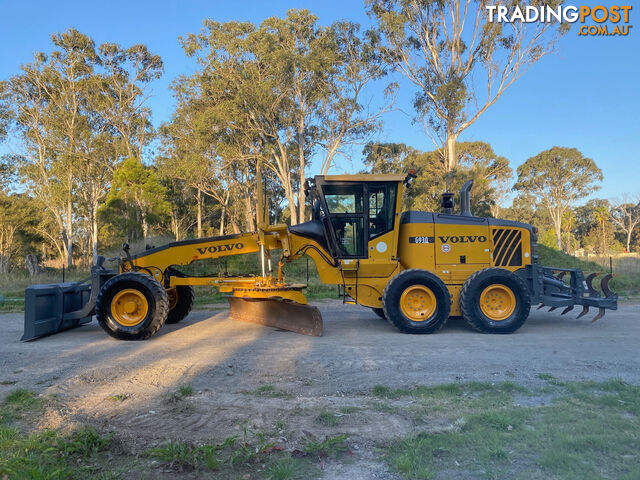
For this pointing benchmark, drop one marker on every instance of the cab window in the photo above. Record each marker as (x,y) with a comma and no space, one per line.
(382,202)
(349,234)
(344,198)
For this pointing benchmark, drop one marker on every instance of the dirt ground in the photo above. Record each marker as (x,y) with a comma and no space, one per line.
(126,387)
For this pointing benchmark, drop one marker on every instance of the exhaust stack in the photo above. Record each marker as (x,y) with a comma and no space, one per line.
(465,199)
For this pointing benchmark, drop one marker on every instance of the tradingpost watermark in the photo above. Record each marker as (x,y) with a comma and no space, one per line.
(600,20)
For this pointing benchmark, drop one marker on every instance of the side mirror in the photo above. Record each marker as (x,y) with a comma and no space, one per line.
(411,176)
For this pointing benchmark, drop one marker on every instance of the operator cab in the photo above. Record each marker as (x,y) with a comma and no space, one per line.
(349,211)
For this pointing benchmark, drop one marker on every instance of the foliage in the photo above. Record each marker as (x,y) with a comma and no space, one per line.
(77,110)
(19,217)
(478,162)
(557,178)
(277,94)
(427,42)
(137,187)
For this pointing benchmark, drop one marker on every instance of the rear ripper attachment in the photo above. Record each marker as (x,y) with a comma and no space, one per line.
(551,290)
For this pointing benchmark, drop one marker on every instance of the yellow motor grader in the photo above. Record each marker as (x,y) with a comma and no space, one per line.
(414,268)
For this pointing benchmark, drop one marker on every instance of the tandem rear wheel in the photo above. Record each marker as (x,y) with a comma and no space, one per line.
(180,302)
(416,301)
(495,300)
(132,306)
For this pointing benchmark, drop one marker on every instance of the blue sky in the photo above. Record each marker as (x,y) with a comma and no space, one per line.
(586,95)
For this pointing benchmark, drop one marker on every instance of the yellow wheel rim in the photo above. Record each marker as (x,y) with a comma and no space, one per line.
(172,293)
(418,303)
(129,307)
(497,302)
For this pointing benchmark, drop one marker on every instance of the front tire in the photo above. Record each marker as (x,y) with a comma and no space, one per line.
(495,300)
(416,301)
(379,312)
(180,303)
(132,306)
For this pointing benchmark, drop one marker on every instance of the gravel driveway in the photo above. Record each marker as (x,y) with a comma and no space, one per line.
(227,363)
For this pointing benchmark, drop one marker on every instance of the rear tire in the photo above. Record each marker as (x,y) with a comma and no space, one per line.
(182,304)
(379,312)
(132,306)
(416,301)
(495,300)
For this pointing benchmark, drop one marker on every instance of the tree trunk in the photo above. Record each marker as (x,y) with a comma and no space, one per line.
(174,225)
(69,234)
(557,226)
(450,157)
(199,203)
(251,214)
(145,227)
(301,164)
(629,241)
(94,233)
(222,214)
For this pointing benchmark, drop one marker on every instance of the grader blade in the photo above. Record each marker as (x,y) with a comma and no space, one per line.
(291,316)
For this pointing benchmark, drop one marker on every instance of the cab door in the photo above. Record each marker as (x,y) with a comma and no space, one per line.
(345,205)
(382,235)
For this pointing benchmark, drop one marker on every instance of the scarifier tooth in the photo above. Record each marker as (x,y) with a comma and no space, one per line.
(599,315)
(604,285)
(567,310)
(584,311)
(541,306)
(589,279)
(552,309)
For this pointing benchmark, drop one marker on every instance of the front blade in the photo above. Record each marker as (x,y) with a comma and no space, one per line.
(291,316)
(51,308)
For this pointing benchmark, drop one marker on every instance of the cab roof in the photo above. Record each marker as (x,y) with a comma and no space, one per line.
(364,177)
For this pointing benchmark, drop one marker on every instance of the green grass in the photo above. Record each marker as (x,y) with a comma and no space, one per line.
(328,419)
(13,285)
(591,430)
(46,454)
(623,283)
(329,447)
(234,458)
(287,468)
(268,391)
(19,404)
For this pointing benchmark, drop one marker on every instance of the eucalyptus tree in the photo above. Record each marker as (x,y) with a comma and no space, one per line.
(289,88)
(489,172)
(625,214)
(123,93)
(49,108)
(458,59)
(139,187)
(558,178)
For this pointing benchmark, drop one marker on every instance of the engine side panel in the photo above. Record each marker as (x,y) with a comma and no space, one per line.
(454,247)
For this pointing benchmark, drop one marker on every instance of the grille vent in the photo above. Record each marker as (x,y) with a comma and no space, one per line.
(507,247)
